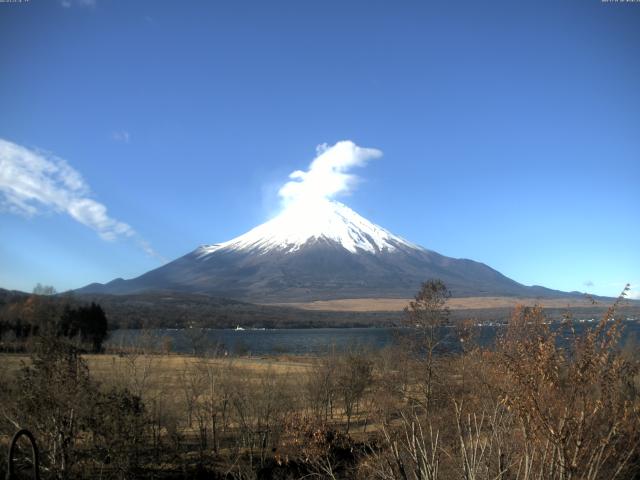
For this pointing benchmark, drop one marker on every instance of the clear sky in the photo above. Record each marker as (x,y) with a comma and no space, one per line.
(132,132)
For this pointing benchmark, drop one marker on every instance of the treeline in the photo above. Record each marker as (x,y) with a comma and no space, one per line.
(530,408)
(184,310)
(26,317)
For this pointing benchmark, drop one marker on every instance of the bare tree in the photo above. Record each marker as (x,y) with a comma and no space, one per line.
(426,315)
(354,375)
(40,289)
(321,386)
(576,405)
(55,397)
(411,452)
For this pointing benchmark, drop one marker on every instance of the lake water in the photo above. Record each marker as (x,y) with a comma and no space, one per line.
(298,341)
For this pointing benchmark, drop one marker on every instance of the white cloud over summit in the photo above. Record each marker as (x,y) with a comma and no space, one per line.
(328,174)
(33,182)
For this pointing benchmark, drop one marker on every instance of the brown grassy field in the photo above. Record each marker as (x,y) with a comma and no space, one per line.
(397,304)
(164,372)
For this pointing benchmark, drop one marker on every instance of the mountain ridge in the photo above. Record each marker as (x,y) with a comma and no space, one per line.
(319,251)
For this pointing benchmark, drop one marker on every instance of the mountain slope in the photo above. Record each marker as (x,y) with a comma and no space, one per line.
(319,252)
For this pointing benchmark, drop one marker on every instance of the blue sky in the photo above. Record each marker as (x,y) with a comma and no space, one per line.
(510,131)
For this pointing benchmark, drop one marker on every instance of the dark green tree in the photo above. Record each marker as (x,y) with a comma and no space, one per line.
(89,322)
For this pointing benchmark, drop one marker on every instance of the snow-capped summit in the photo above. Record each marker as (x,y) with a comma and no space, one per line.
(304,223)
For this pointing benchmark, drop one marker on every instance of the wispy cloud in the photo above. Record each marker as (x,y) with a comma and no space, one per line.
(32,182)
(121,136)
(77,3)
(588,283)
(328,174)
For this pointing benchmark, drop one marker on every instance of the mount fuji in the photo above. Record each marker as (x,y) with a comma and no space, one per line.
(318,251)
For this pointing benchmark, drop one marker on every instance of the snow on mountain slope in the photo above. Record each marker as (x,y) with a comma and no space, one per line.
(299,224)
(317,251)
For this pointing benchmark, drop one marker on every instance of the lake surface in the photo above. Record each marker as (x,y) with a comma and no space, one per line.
(298,341)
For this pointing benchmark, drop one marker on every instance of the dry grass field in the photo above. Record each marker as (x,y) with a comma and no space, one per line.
(167,368)
(468,303)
